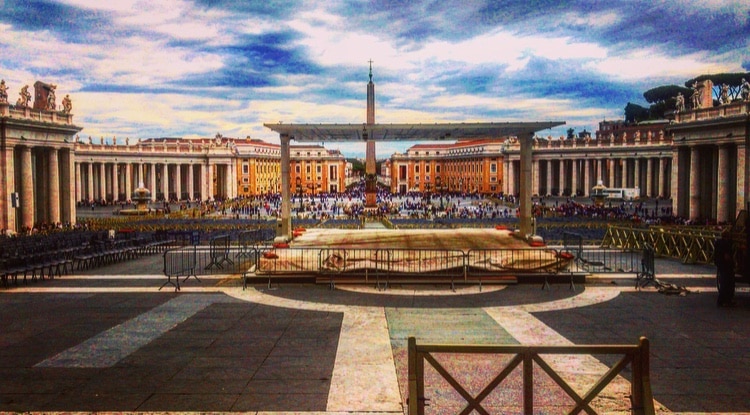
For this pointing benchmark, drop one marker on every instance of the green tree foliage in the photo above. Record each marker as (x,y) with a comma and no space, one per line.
(662,99)
(733,80)
(636,113)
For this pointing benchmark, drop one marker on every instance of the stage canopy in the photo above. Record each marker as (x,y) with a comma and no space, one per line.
(408,132)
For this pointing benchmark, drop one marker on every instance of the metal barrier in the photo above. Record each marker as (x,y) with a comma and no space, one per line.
(636,356)
(194,261)
(441,265)
(488,263)
(219,249)
(249,240)
(691,245)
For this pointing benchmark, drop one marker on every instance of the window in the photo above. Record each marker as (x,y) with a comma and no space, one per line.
(297,169)
(245,169)
(416,168)
(437,169)
(320,169)
(427,168)
(493,168)
(308,169)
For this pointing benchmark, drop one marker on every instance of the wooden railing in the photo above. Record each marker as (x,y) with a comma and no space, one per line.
(637,356)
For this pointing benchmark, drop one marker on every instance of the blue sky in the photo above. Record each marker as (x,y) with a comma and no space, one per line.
(175,68)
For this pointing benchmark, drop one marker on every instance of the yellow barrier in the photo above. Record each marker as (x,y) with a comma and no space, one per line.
(692,245)
(637,356)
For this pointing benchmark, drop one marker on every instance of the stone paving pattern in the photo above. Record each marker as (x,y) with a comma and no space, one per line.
(302,348)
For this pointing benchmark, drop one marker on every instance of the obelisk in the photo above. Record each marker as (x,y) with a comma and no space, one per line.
(371,178)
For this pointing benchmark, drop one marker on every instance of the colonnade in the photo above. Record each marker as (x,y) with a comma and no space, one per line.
(113,181)
(709,180)
(39,179)
(566,176)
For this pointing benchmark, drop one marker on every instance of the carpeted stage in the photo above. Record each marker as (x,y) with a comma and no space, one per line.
(461,239)
(437,252)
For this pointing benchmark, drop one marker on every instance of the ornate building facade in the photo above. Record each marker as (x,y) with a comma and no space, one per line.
(37,159)
(314,169)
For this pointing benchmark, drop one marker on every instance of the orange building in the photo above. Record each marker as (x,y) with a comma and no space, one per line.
(472,166)
(314,169)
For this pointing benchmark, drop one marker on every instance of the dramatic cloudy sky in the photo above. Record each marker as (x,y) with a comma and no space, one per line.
(179,68)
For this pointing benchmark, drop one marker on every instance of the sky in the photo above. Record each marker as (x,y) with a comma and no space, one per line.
(178,68)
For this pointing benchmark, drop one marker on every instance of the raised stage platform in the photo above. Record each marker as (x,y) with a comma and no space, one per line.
(428,255)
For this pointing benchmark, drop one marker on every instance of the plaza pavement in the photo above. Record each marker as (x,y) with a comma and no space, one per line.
(109,340)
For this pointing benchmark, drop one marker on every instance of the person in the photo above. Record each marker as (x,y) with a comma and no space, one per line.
(725,279)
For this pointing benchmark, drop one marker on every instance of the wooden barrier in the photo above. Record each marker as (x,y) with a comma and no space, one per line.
(635,356)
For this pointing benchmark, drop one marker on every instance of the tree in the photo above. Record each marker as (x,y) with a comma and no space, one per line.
(635,113)
(733,80)
(662,99)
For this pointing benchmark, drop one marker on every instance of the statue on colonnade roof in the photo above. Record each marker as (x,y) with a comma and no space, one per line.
(24,97)
(51,105)
(67,104)
(745,90)
(680,102)
(3,92)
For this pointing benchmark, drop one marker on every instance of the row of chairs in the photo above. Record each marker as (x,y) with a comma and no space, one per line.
(95,250)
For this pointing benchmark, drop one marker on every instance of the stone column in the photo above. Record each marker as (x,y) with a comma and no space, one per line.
(79,185)
(574,178)
(190,182)
(128,181)
(534,179)
(27,189)
(204,182)
(587,177)
(722,188)
(649,177)
(7,187)
(548,185)
(610,172)
(674,182)
(90,180)
(115,183)
(210,180)
(165,181)
(743,169)
(661,178)
(284,232)
(54,187)
(178,181)
(227,184)
(102,181)
(598,171)
(152,179)
(525,226)
(637,173)
(694,197)
(625,173)
(68,186)
(561,179)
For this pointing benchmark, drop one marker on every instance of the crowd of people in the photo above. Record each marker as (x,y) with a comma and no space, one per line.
(350,205)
